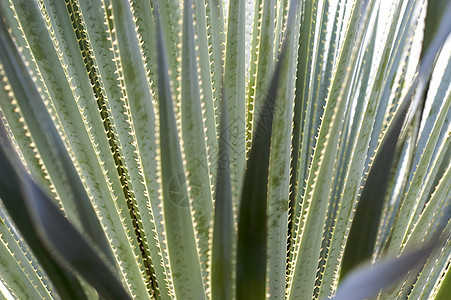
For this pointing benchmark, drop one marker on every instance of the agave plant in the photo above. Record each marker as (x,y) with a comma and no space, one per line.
(225,149)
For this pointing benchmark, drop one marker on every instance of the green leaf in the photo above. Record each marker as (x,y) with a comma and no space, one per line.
(170,13)
(18,264)
(223,230)
(183,251)
(136,143)
(252,227)
(57,235)
(305,99)
(262,63)
(389,64)
(362,236)
(235,84)
(85,142)
(48,140)
(368,280)
(352,158)
(209,51)
(312,218)
(364,228)
(66,284)
(279,161)
(195,141)
(405,216)
(445,287)
(13,115)
(430,144)
(60,237)
(436,10)
(424,278)
(433,275)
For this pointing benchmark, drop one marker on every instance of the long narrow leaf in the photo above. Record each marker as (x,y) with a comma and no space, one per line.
(65,283)
(58,236)
(252,227)
(48,140)
(19,269)
(364,229)
(367,281)
(183,251)
(362,236)
(195,141)
(223,230)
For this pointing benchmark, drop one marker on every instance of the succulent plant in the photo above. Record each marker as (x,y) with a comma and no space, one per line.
(225,149)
